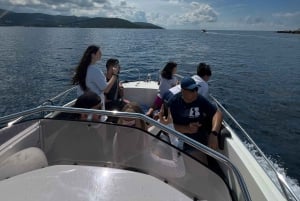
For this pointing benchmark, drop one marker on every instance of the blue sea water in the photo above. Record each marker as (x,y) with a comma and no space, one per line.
(256,75)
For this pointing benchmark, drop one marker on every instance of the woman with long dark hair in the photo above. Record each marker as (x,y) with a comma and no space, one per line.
(167,81)
(89,77)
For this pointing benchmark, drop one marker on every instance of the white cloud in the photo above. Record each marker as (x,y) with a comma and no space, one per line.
(62,7)
(166,13)
(288,20)
(57,3)
(253,20)
(287,15)
(183,14)
(126,11)
(174,1)
(199,13)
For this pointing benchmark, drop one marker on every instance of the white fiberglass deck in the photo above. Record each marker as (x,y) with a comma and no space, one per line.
(84,183)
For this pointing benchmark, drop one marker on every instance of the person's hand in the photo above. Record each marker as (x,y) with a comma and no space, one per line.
(213,141)
(193,127)
(165,119)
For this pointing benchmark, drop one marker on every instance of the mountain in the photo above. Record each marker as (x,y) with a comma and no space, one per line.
(290,31)
(8,18)
(147,25)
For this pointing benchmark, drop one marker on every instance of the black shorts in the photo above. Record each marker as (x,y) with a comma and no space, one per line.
(201,137)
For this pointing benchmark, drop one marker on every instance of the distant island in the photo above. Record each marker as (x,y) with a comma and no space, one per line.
(290,31)
(9,18)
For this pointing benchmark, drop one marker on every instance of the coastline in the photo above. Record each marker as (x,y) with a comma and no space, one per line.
(290,31)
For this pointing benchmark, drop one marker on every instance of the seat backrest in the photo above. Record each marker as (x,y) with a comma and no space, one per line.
(23,161)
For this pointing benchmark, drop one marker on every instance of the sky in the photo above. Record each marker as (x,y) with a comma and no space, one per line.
(176,14)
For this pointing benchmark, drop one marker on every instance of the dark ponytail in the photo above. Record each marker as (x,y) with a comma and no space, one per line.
(81,69)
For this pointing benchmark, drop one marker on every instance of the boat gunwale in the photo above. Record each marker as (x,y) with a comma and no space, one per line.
(282,182)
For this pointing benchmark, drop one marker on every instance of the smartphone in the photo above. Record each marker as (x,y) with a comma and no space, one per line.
(165,109)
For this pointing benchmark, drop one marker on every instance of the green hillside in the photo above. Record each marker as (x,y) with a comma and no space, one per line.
(43,20)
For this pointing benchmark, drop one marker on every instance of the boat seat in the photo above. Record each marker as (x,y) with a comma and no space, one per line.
(23,161)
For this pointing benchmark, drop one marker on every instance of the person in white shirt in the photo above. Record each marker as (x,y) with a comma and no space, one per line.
(89,77)
(201,79)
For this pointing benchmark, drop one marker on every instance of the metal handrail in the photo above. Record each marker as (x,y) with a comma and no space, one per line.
(224,160)
(186,73)
(279,177)
(148,78)
(64,93)
(132,69)
(51,100)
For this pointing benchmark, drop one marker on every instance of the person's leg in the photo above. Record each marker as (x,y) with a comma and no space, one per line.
(157,103)
(149,113)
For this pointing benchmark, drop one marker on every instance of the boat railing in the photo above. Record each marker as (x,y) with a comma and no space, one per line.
(206,150)
(61,97)
(180,76)
(132,70)
(58,100)
(285,188)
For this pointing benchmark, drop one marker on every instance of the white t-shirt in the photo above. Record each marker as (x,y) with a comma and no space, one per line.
(176,89)
(166,84)
(95,82)
(203,86)
(202,89)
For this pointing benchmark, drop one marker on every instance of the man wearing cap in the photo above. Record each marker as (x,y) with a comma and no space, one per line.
(195,116)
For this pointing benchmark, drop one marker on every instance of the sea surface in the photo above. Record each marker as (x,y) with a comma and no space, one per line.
(256,75)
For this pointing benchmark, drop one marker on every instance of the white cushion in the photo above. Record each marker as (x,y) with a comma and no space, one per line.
(23,161)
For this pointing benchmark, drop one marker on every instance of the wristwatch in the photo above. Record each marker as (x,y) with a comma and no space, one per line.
(215,133)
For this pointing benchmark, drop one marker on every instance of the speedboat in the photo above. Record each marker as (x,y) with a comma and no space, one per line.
(43,157)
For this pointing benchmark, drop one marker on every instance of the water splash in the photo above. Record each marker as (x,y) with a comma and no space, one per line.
(293,183)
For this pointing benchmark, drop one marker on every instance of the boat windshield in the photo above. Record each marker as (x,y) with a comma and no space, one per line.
(71,142)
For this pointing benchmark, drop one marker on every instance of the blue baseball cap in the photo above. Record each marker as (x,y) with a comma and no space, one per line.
(188,83)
